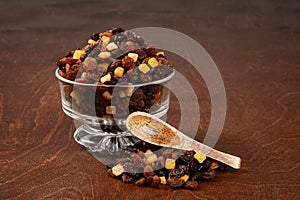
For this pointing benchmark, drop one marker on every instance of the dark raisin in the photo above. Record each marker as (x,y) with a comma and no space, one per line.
(186,158)
(205,165)
(141,53)
(114,65)
(210,174)
(162,172)
(140,40)
(161,71)
(151,52)
(117,30)
(175,182)
(126,178)
(138,95)
(179,171)
(120,37)
(95,36)
(154,88)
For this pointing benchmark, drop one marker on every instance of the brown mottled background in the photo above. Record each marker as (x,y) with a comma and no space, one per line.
(255,45)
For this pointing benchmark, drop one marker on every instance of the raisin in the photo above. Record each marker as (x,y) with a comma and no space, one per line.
(131,45)
(210,174)
(138,95)
(151,52)
(137,160)
(186,158)
(191,184)
(126,178)
(117,30)
(153,181)
(128,63)
(140,41)
(179,171)
(154,89)
(120,37)
(162,172)
(163,61)
(145,78)
(141,181)
(129,167)
(114,65)
(141,53)
(64,61)
(95,36)
(175,182)
(205,165)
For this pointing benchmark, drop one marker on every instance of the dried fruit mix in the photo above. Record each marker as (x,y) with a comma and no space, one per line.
(150,165)
(115,57)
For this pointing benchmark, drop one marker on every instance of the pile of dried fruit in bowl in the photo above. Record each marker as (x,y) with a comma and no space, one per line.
(115,57)
(150,165)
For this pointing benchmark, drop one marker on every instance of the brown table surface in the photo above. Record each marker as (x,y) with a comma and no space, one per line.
(255,45)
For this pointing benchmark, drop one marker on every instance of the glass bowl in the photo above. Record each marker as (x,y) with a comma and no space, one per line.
(101,110)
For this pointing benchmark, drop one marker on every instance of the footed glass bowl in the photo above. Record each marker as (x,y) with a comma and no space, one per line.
(101,110)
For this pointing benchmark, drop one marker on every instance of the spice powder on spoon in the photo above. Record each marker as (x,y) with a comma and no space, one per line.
(156,131)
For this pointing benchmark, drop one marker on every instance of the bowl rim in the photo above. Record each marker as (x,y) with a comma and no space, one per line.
(59,77)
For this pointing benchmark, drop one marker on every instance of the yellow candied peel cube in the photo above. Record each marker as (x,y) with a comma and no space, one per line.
(163,180)
(111,110)
(74,94)
(153,62)
(104,65)
(150,156)
(106,95)
(144,68)
(83,75)
(170,163)
(111,46)
(122,94)
(105,39)
(77,54)
(134,56)
(104,55)
(91,41)
(105,78)
(117,170)
(129,91)
(185,177)
(119,71)
(199,156)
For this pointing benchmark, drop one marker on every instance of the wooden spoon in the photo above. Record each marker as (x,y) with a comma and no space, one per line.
(155,131)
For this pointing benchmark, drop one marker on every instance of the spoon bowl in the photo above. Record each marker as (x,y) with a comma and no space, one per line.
(155,131)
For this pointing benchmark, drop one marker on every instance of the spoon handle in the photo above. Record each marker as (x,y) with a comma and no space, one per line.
(230,160)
